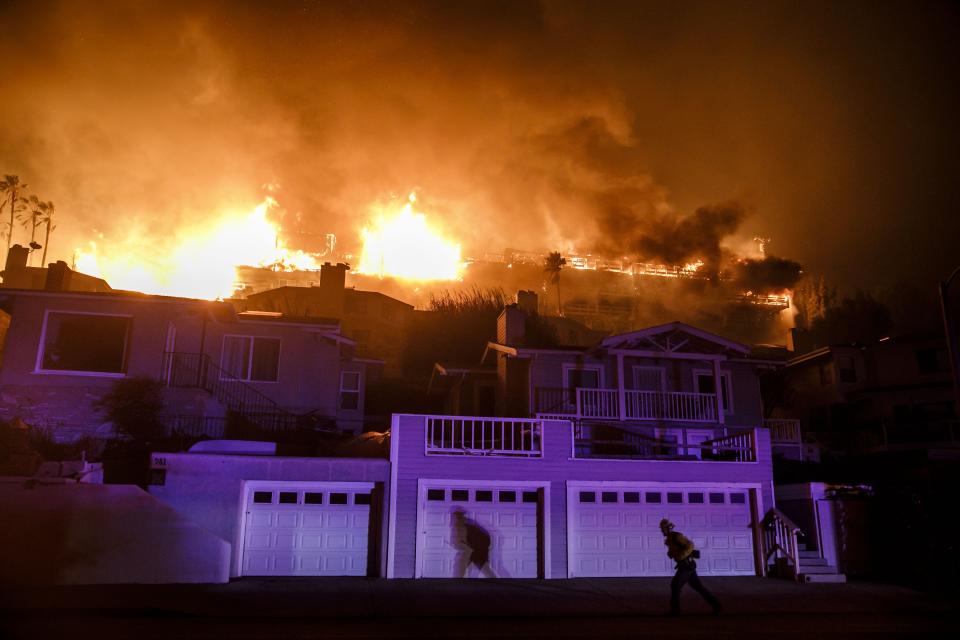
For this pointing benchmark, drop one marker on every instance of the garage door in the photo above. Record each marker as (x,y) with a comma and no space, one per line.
(306,529)
(509,515)
(614,530)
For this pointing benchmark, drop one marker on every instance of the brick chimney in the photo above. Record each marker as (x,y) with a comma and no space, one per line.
(333,278)
(511,326)
(17,257)
(528,303)
(58,276)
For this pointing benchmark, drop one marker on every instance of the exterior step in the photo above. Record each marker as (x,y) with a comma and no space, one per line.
(813,562)
(834,578)
(809,554)
(817,568)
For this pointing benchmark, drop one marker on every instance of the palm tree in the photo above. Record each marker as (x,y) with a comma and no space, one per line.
(47,210)
(11,186)
(31,219)
(552,264)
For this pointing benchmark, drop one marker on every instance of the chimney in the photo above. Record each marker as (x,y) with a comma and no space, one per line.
(528,303)
(511,326)
(17,257)
(333,277)
(58,276)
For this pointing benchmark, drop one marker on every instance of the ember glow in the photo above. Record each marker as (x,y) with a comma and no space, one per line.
(400,243)
(201,263)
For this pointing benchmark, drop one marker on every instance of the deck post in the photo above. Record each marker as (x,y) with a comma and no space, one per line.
(718,390)
(621,389)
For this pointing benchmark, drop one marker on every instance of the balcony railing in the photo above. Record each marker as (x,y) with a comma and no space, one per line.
(784,431)
(663,443)
(505,437)
(604,404)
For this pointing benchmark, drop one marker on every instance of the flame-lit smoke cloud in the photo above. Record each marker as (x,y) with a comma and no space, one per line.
(538,124)
(769,274)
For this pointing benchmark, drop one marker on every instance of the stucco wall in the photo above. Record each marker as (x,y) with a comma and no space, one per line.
(68,533)
(556,467)
(207,489)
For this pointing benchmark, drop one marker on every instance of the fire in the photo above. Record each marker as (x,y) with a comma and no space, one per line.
(401,244)
(202,261)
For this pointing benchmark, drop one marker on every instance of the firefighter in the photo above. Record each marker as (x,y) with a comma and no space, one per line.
(681,550)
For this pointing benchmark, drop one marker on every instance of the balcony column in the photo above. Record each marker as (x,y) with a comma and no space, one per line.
(621,394)
(718,391)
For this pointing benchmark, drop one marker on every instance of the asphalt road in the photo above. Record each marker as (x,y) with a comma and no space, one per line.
(366,608)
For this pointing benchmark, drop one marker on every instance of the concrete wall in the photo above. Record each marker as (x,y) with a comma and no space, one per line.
(207,489)
(557,467)
(68,533)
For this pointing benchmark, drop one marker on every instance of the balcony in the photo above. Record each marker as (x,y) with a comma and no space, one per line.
(605,404)
(524,438)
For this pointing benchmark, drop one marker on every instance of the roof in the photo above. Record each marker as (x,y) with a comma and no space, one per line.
(661,337)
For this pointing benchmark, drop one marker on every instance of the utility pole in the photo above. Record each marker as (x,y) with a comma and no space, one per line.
(950,330)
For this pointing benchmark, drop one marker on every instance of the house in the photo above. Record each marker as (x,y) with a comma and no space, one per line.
(376,322)
(63,351)
(55,277)
(895,394)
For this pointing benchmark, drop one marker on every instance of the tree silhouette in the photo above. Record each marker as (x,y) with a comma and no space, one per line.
(31,219)
(12,188)
(553,264)
(47,210)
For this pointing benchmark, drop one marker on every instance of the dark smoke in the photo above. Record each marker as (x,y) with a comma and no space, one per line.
(766,275)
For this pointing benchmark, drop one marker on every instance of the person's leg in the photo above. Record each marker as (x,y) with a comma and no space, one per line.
(697,586)
(461,565)
(679,579)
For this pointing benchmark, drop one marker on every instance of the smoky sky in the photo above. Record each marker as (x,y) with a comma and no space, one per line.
(664,129)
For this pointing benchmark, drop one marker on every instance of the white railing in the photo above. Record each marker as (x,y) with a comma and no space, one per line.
(736,447)
(598,403)
(671,405)
(780,544)
(475,436)
(783,431)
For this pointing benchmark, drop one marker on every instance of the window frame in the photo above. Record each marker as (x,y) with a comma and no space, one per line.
(572,366)
(224,374)
(649,367)
(341,391)
(41,346)
(724,375)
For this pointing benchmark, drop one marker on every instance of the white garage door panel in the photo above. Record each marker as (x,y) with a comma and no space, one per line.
(502,511)
(618,533)
(296,529)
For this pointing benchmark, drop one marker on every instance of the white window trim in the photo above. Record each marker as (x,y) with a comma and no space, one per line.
(38,363)
(223,351)
(728,403)
(358,391)
(639,367)
(572,366)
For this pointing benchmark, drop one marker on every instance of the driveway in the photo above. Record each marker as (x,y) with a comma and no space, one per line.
(371,608)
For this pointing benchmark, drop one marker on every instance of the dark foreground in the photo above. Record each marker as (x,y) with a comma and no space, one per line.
(371,608)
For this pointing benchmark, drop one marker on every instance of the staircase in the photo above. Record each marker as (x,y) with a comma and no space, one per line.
(197,371)
(813,568)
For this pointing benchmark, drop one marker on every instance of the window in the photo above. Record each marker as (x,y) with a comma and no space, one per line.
(704,384)
(484,496)
(262,497)
(716,498)
(737,498)
(588,496)
(338,498)
(288,497)
(654,497)
(459,495)
(649,378)
(436,494)
(311,497)
(531,496)
(695,498)
(507,496)
(250,358)
(84,343)
(609,496)
(674,498)
(362,498)
(575,377)
(631,497)
(350,390)
(848,370)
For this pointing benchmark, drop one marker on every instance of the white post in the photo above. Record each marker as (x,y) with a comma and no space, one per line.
(621,390)
(718,390)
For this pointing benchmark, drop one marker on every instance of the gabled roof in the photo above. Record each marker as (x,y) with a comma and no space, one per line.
(671,337)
